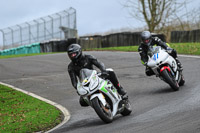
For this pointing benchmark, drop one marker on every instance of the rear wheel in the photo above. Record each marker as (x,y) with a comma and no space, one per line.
(170,80)
(103,112)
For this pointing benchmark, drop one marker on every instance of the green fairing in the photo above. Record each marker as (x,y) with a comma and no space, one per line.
(103,89)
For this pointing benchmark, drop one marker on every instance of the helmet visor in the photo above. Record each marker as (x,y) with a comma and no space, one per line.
(72,55)
(146,41)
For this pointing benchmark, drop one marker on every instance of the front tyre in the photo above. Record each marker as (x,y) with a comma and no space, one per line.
(104,113)
(170,80)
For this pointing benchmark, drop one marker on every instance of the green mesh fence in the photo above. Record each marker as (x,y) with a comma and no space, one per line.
(26,49)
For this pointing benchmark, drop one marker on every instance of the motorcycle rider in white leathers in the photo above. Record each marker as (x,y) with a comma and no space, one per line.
(147,41)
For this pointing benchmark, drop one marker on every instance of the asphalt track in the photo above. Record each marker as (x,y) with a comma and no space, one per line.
(156,108)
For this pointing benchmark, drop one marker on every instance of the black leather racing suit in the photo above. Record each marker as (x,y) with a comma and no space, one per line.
(143,49)
(87,61)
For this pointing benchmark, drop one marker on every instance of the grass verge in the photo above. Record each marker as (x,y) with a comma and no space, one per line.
(181,48)
(22,113)
(187,48)
(120,48)
(23,55)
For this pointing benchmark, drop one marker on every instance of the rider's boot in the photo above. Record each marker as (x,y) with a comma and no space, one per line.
(122,92)
(82,102)
(179,64)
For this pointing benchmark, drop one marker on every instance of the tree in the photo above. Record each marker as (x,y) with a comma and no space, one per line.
(155,13)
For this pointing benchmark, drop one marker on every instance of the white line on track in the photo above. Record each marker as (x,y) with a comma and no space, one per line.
(190,56)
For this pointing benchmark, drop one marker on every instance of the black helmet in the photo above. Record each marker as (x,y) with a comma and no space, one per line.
(74,52)
(146,38)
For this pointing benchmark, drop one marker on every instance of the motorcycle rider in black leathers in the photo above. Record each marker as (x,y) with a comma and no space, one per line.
(147,41)
(79,61)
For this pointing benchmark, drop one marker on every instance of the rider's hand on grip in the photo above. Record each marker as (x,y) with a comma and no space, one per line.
(169,50)
(145,64)
(104,74)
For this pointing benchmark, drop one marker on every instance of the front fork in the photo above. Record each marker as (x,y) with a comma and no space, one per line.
(169,69)
(100,97)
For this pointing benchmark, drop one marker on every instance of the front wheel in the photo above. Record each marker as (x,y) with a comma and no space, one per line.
(104,113)
(170,80)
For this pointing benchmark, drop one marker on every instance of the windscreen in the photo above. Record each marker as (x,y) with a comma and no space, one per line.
(85,73)
(153,50)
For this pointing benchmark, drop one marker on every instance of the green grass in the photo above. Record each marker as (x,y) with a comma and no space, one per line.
(120,48)
(187,48)
(181,48)
(22,113)
(23,55)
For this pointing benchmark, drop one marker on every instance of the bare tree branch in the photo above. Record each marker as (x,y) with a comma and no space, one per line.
(155,13)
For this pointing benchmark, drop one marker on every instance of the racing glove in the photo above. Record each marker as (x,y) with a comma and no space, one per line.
(145,64)
(169,50)
(104,74)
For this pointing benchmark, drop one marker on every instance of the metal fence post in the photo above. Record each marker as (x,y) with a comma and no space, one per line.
(74,17)
(68,36)
(37,29)
(44,28)
(60,23)
(51,26)
(20,28)
(29,29)
(3,37)
(12,35)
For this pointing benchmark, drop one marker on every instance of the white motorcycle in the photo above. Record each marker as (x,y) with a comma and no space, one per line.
(100,94)
(165,67)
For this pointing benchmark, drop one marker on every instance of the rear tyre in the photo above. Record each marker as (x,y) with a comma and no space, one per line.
(104,113)
(170,80)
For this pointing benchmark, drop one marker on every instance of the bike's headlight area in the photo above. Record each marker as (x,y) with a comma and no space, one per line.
(89,84)
(82,92)
(94,83)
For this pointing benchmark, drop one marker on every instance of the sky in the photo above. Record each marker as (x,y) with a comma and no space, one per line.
(93,16)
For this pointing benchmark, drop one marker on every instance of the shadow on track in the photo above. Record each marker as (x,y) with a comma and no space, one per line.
(81,124)
(86,123)
(163,91)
